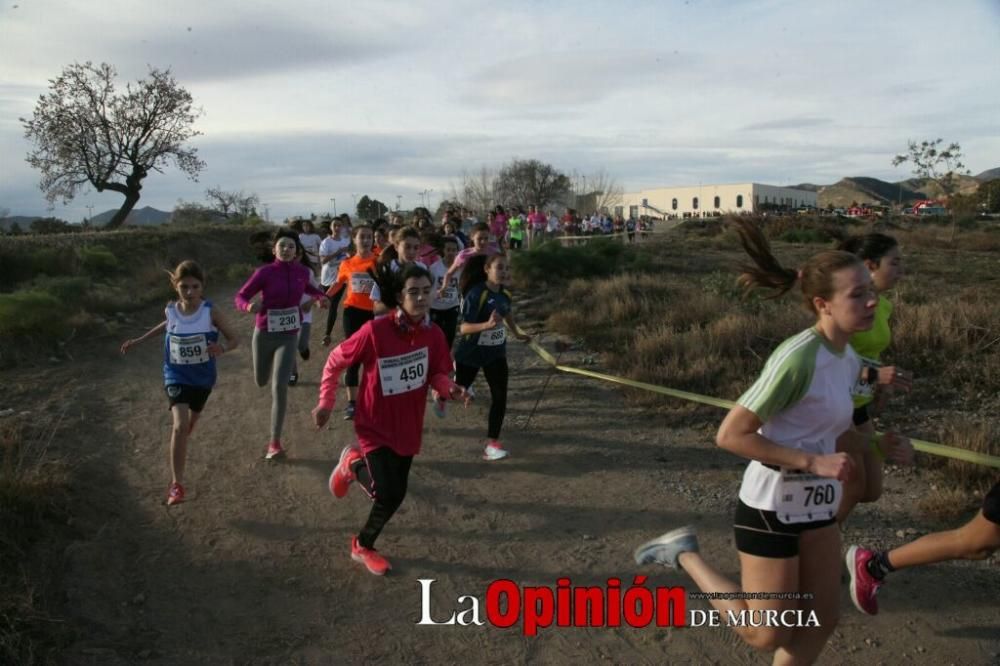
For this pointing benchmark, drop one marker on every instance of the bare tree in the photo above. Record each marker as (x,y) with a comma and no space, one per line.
(600,190)
(477,190)
(524,183)
(232,202)
(84,132)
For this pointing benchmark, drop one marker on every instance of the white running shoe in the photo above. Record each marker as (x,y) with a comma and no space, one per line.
(667,548)
(494,452)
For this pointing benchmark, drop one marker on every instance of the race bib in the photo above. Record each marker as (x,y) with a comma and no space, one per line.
(286,319)
(861,386)
(403,373)
(805,497)
(493,337)
(189,349)
(362,283)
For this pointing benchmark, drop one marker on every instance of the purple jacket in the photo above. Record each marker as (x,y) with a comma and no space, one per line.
(282,284)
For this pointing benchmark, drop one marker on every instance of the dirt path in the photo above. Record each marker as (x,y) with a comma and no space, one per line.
(254,567)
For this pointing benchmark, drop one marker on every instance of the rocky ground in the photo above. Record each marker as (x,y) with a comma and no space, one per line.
(254,568)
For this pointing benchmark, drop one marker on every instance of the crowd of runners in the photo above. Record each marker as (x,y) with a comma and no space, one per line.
(425,307)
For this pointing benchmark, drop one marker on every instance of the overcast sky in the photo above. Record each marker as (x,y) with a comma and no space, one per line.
(313,100)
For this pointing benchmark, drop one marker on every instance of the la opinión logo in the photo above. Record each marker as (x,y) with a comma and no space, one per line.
(538,607)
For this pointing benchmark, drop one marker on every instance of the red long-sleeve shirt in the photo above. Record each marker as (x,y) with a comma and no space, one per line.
(401,361)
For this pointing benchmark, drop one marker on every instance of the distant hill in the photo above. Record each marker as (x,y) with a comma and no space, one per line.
(861,189)
(866,190)
(139,217)
(23,221)
(989,174)
(809,187)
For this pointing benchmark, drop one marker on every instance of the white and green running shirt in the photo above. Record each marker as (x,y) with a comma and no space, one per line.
(803,396)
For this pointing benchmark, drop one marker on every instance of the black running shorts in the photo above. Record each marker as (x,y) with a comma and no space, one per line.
(194,397)
(991,504)
(760,533)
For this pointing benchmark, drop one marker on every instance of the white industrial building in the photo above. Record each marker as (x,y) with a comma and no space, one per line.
(712,200)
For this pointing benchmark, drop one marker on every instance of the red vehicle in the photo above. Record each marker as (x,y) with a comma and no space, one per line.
(929,207)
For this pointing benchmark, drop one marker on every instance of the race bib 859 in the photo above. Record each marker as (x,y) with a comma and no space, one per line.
(188,350)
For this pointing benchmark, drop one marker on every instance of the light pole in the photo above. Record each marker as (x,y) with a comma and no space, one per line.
(399,197)
(267,212)
(355,197)
(425,198)
(333,200)
(90,213)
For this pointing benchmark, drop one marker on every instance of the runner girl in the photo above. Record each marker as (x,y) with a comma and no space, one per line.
(278,320)
(190,347)
(446,302)
(976,540)
(880,254)
(404,250)
(310,241)
(382,235)
(403,355)
(332,251)
(481,246)
(453,227)
(486,305)
(306,305)
(357,274)
(794,425)
(515,230)
(498,227)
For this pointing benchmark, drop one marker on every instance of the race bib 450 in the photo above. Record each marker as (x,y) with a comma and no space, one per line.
(403,373)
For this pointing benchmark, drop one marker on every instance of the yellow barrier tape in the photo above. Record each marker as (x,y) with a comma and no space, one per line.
(931,448)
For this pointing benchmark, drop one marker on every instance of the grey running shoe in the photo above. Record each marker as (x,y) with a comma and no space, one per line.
(667,548)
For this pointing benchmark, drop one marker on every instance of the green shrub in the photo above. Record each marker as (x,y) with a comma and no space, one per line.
(595,258)
(805,236)
(15,266)
(69,290)
(33,312)
(239,272)
(98,260)
(52,261)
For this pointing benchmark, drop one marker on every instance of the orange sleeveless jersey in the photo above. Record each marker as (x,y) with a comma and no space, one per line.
(354,273)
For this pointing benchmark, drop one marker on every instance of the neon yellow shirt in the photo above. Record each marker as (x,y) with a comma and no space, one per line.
(870,344)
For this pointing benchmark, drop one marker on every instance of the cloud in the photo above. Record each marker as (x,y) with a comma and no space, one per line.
(571,78)
(788,123)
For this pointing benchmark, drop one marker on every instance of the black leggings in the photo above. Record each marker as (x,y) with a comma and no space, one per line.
(331,314)
(447,321)
(354,318)
(383,474)
(496,376)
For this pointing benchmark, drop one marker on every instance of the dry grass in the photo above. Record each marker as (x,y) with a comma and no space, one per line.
(85,277)
(33,489)
(685,324)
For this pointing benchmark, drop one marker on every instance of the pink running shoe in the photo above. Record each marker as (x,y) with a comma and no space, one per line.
(864,586)
(274,451)
(369,557)
(342,475)
(176,494)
